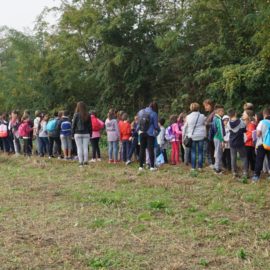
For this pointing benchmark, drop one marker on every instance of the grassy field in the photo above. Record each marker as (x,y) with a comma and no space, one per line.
(55,215)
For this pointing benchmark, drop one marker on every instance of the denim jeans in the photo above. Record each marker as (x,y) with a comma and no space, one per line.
(125,149)
(82,142)
(133,148)
(113,150)
(44,145)
(197,145)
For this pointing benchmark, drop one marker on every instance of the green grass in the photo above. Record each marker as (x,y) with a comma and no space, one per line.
(55,215)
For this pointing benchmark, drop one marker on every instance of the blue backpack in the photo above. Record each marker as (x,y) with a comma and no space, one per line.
(66,128)
(266,138)
(51,126)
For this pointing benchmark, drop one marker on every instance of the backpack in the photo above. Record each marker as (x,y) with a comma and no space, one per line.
(169,134)
(3,130)
(213,130)
(24,129)
(95,124)
(144,121)
(266,138)
(51,125)
(66,128)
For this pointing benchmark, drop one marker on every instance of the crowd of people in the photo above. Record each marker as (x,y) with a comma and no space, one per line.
(213,139)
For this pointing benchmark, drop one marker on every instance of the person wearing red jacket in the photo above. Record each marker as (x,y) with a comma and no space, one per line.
(248,116)
(125,134)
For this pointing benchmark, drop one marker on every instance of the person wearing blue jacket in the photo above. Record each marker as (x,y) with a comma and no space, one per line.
(148,129)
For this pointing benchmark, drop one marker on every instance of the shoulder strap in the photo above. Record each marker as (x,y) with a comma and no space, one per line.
(196,123)
(267,123)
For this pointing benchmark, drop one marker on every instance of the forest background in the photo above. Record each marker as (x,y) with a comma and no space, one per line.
(125,53)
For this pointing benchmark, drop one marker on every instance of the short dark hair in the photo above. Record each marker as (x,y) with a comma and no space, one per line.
(66,113)
(209,102)
(231,112)
(266,111)
(218,106)
(162,121)
(154,106)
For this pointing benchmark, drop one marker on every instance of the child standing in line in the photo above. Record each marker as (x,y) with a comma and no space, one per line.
(134,139)
(25,130)
(226,157)
(113,135)
(125,134)
(161,140)
(217,132)
(175,139)
(181,123)
(237,130)
(43,136)
(97,126)
(249,143)
(4,133)
(65,135)
(13,127)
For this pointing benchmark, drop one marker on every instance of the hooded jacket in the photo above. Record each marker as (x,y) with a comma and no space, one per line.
(237,130)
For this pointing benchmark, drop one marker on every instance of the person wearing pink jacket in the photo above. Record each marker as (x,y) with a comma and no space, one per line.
(97,126)
(176,135)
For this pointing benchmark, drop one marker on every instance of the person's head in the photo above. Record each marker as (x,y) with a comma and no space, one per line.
(26,113)
(181,117)
(46,117)
(136,118)
(173,119)
(248,115)
(111,115)
(219,110)
(25,118)
(225,119)
(208,105)
(37,113)
(258,117)
(162,121)
(154,106)
(82,110)
(65,113)
(248,106)
(119,115)
(4,116)
(60,114)
(266,112)
(232,113)
(14,115)
(194,107)
(124,116)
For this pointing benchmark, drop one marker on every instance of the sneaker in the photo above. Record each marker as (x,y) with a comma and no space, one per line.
(152,169)
(200,169)
(217,171)
(128,162)
(93,160)
(211,167)
(110,161)
(141,169)
(59,158)
(80,165)
(255,179)
(99,159)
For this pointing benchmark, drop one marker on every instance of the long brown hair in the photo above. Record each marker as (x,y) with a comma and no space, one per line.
(81,110)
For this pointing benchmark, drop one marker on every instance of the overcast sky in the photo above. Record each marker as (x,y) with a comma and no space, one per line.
(21,14)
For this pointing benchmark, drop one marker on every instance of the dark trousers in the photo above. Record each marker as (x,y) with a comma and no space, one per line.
(182,153)
(125,149)
(57,141)
(6,145)
(261,153)
(95,148)
(226,159)
(134,148)
(27,146)
(251,157)
(147,142)
(210,152)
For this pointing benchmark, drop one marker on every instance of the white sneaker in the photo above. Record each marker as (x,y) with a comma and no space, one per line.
(92,160)
(141,169)
(128,162)
(99,159)
(152,169)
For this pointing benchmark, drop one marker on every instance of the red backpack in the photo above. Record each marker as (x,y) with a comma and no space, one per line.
(24,129)
(96,126)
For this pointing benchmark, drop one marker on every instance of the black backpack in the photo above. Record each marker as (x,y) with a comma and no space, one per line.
(144,121)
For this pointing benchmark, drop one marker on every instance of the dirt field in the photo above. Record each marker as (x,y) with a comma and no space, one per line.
(55,215)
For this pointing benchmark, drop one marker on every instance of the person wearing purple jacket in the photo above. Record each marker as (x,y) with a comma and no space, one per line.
(148,129)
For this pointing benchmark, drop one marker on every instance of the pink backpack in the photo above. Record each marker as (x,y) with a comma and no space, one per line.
(24,129)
